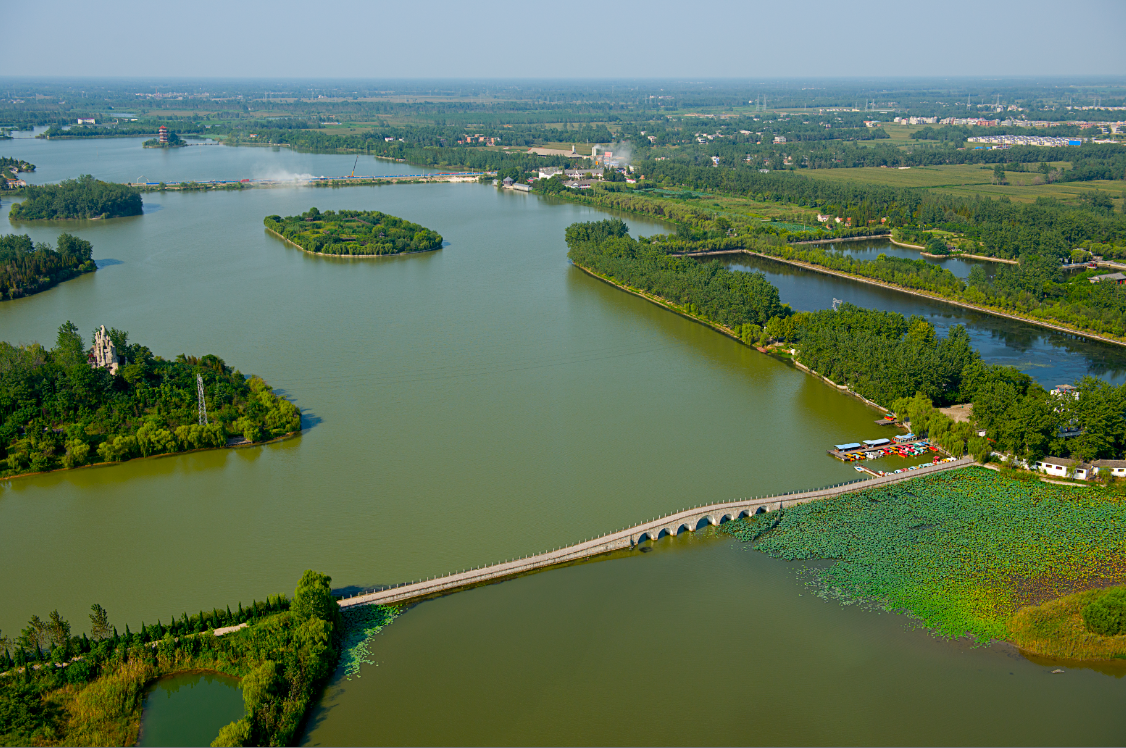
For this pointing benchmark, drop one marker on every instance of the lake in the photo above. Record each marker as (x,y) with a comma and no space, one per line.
(493,392)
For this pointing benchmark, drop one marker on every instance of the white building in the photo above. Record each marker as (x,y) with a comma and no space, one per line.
(1064,467)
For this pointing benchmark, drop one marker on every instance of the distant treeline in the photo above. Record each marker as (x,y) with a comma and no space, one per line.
(27,268)
(84,197)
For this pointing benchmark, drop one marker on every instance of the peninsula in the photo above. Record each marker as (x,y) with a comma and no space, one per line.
(84,197)
(27,268)
(57,688)
(353,233)
(116,401)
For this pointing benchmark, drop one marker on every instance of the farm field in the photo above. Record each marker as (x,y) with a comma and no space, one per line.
(916,176)
(1067,192)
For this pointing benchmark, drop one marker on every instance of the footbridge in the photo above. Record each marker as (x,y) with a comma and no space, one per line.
(688,520)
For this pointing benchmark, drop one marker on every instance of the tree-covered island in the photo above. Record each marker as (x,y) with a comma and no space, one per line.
(84,197)
(27,268)
(72,405)
(356,233)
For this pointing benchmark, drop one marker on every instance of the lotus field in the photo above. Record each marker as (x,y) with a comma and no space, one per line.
(962,551)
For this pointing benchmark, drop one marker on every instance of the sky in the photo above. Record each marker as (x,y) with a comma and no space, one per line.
(575,39)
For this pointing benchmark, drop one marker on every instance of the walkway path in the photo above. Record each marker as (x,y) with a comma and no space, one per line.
(671,524)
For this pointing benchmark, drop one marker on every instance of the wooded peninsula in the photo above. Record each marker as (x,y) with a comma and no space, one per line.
(60,689)
(60,410)
(27,268)
(84,197)
(357,233)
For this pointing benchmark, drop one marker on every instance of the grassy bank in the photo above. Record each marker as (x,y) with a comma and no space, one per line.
(1056,629)
(963,552)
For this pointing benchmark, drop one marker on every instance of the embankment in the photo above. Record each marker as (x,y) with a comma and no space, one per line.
(923,294)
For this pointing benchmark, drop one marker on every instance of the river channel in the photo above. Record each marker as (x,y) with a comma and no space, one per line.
(465,406)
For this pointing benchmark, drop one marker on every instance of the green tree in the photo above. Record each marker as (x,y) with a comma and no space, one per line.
(937,246)
(313,598)
(100,627)
(69,349)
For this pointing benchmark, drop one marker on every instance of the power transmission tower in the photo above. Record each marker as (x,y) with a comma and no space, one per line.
(836,304)
(202,404)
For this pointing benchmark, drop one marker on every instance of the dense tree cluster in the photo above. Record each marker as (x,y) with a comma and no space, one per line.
(354,232)
(56,410)
(60,688)
(27,268)
(84,197)
(880,355)
(728,298)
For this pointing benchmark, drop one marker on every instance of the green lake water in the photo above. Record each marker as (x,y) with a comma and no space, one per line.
(465,406)
(189,709)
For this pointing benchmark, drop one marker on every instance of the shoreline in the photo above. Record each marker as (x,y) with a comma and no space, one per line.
(922,294)
(662,302)
(349,257)
(924,253)
(237,445)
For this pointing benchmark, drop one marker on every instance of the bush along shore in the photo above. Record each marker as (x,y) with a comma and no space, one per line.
(84,197)
(896,363)
(60,689)
(58,409)
(27,268)
(971,553)
(354,233)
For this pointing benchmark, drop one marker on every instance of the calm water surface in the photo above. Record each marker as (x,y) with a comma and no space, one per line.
(464,406)
(870,250)
(189,709)
(1047,356)
(701,642)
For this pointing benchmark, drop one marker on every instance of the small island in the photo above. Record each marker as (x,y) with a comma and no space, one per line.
(84,197)
(165,138)
(116,400)
(27,268)
(353,233)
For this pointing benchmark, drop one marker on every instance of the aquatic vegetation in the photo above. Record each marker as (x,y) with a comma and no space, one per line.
(962,551)
(1058,628)
(360,625)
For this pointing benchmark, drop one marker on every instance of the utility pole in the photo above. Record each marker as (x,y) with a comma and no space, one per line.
(202,403)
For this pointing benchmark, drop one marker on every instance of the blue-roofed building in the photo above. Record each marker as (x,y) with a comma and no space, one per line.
(876,442)
(847,447)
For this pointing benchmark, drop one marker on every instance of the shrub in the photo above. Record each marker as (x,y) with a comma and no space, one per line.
(1106,614)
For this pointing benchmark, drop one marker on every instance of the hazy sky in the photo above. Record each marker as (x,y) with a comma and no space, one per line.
(573,39)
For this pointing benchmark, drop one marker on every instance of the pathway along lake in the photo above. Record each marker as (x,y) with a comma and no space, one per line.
(468,405)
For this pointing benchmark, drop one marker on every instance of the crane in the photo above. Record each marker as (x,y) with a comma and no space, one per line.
(354,168)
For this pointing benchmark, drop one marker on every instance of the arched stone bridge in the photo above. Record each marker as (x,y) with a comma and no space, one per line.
(671,524)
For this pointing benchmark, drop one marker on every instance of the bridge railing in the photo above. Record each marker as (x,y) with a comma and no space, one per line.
(881,480)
